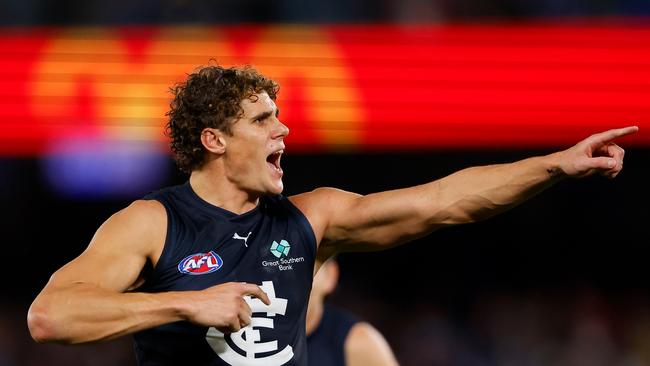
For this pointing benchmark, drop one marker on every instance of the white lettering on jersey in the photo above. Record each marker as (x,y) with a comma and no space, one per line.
(252,344)
(194,264)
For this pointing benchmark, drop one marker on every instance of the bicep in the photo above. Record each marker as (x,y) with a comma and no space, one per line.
(106,269)
(119,250)
(377,220)
(345,221)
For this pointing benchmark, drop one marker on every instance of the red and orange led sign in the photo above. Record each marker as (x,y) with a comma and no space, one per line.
(342,87)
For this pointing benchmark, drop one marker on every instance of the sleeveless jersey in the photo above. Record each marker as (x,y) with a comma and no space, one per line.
(327,343)
(272,246)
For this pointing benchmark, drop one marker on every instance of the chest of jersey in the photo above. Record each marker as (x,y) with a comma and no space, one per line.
(271,247)
(214,250)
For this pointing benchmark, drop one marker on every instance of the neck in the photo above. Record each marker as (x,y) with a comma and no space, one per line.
(314,315)
(215,189)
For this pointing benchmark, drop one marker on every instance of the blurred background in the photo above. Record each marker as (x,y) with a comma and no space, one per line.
(378,95)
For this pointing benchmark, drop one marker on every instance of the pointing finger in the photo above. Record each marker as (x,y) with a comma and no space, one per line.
(255,291)
(614,134)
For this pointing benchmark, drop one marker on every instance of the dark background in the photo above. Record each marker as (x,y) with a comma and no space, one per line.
(77,12)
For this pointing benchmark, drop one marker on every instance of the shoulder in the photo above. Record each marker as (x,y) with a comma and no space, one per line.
(321,205)
(363,335)
(365,345)
(322,193)
(142,212)
(144,217)
(322,201)
(141,224)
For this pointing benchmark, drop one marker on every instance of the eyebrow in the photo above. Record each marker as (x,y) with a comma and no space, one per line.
(265,114)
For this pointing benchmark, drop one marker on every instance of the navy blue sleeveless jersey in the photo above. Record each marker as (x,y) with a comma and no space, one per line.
(272,246)
(327,343)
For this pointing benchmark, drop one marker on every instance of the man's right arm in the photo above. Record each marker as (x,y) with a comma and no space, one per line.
(87,299)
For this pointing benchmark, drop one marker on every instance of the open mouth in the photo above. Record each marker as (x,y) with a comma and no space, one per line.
(274,160)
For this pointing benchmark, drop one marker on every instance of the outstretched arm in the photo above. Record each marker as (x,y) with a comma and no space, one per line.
(88,299)
(346,221)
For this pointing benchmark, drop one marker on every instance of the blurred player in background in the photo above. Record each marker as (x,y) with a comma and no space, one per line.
(217,271)
(336,337)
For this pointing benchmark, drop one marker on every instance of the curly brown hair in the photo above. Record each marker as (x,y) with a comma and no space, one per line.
(210,98)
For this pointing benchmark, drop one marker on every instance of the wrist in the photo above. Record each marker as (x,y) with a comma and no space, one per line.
(552,165)
(179,304)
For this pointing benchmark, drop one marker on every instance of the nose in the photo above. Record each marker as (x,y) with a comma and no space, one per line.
(281,130)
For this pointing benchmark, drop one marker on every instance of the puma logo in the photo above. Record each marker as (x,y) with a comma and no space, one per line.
(244,238)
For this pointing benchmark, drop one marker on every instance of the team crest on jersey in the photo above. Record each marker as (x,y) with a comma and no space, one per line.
(200,263)
(248,346)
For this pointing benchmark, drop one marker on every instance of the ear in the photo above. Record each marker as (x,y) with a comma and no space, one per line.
(331,276)
(213,140)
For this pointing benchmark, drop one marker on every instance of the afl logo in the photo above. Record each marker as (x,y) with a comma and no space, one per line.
(200,263)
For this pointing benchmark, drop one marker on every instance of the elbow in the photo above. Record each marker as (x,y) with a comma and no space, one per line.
(38,324)
(42,326)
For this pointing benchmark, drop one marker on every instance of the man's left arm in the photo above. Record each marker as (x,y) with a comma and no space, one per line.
(345,221)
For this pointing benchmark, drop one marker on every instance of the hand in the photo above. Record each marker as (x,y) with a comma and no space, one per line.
(596,154)
(223,306)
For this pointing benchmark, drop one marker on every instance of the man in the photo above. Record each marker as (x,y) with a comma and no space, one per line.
(218,271)
(336,337)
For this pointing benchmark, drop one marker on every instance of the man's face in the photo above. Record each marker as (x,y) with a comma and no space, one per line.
(254,150)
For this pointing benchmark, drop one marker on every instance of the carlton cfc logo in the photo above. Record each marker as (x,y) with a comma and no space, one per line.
(200,263)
